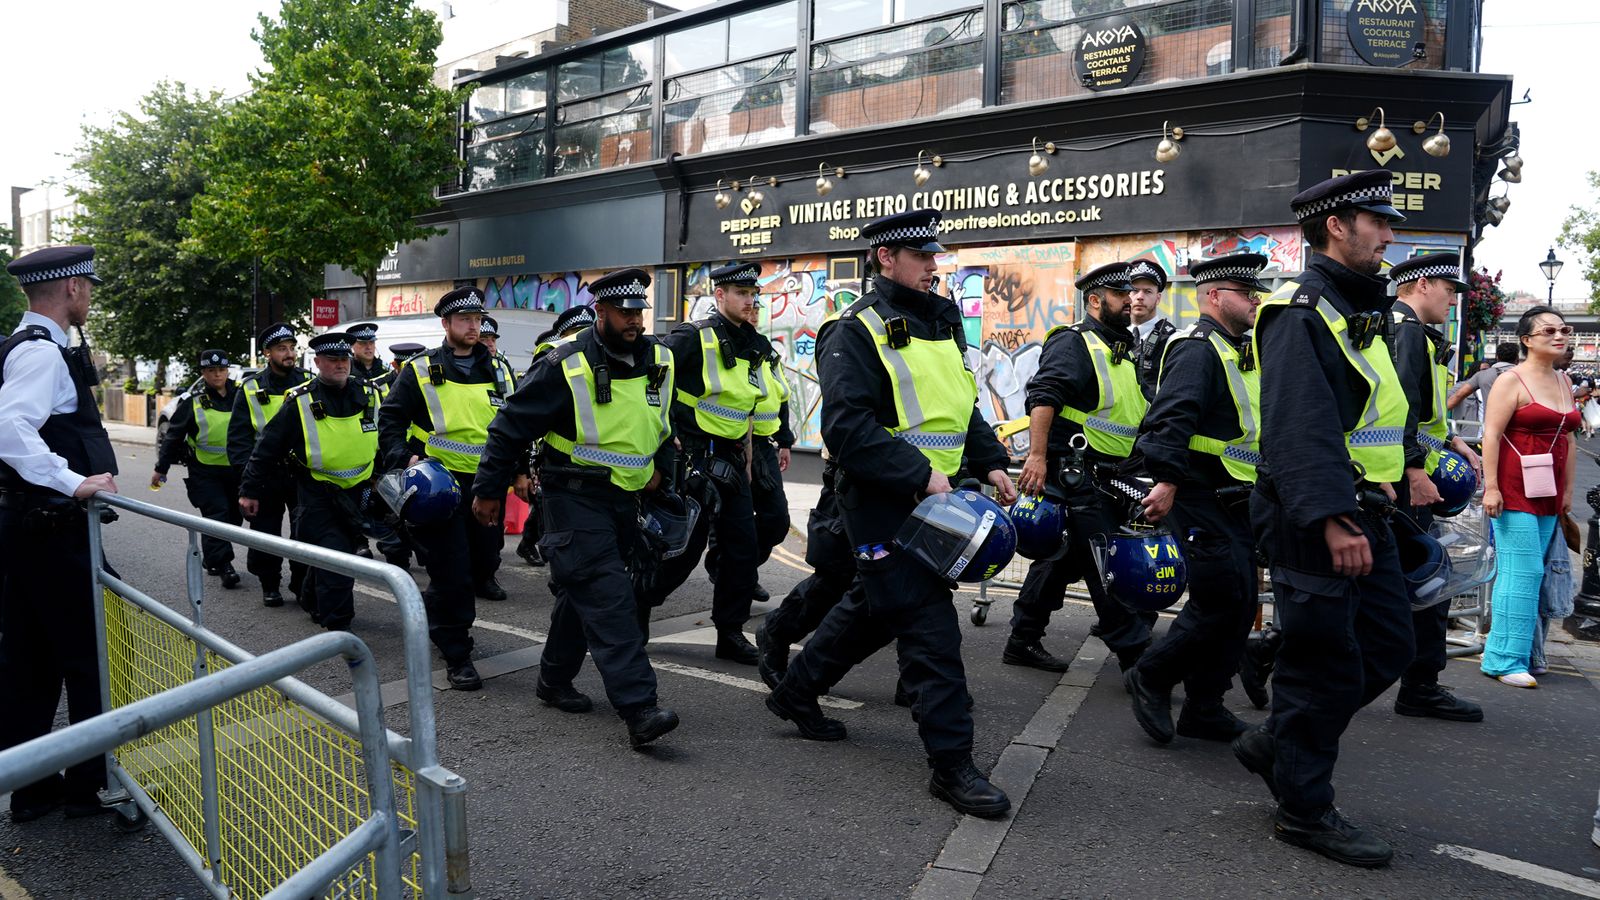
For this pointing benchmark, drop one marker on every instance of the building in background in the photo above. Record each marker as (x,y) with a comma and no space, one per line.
(41,216)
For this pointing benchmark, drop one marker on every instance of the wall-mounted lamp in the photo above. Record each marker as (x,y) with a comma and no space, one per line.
(719,198)
(921,174)
(1500,204)
(1380,140)
(1168,149)
(1512,173)
(1439,143)
(1038,164)
(824,183)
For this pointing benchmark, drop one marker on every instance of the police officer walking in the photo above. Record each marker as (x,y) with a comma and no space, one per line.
(53,453)
(1151,329)
(449,395)
(900,410)
(364,361)
(1200,442)
(1087,384)
(1333,417)
(600,404)
(259,398)
(1427,286)
(329,430)
(569,323)
(197,436)
(808,602)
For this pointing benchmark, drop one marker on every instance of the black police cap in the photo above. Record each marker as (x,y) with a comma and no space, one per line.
(463,299)
(406,349)
(917,229)
(363,331)
(489,326)
(1240,268)
(277,331)
(1112,276)
(212,358)
(746,274)
(331,343)
(1372,190)
(624,289)
(573,318)
(53,263)
(1148,270)
(1443,266)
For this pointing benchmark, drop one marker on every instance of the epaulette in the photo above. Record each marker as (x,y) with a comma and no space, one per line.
(1306,295)
(1164,328)
(1199,331)
(862,302)
(297,391)
(560,352)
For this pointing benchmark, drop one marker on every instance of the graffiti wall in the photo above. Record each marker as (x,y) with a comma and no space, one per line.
(549,293)
(410,299)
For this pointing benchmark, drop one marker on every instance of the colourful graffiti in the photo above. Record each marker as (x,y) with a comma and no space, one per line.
(549,293)
(1281,246)
(410,299)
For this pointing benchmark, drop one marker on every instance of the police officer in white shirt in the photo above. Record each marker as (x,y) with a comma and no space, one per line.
(54,453)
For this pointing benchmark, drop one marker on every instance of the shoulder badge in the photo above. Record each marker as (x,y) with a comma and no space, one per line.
(1306,295)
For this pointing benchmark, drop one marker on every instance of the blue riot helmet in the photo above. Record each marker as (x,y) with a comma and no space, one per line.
(1469,542)
(1423,560)
(1041,523)
(1142,567)
(1456,481)
(667,520)
(422,494)
(961,535)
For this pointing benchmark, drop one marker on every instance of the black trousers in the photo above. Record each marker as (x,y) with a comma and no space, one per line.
(269,520)
(833,571)
(1045,586)
(1203,645)
(461,554)
(214,491)
(1430,627)
(734,523)
(770,503)
(896,600)
(1345,641)
(329,517)
(584,531)
(47,642)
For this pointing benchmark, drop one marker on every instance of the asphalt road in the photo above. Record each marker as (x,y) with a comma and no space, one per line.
(734,804)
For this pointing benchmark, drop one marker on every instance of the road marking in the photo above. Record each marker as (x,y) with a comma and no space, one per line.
(485,624)
(1516,868)
(10,890)
(748,684)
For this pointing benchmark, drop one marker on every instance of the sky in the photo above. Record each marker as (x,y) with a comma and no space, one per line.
(117,50)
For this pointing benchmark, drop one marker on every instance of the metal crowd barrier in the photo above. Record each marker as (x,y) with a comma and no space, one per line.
(262,789)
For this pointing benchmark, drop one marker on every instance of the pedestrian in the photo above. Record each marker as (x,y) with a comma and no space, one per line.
(197,437)
(258,400)
(1470,394)
(1528,480)
(1200,442)
(600,404)
(1427,288)
(329,433)
(440,406)
(571,322)
(900,412)
(1333,417)
(1087,385)
(54,454)
(1151,328)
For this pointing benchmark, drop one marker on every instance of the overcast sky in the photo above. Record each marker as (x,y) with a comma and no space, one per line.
(69,62)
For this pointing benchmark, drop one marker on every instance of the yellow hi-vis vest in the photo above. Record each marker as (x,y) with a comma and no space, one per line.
(263,405)
(338,450)
(1112,426)
(934,392)
(774,393)
(1376,442)
(209,443)
(1240,455)
(730,393)
(460,413)
(1433,433)
(623,434)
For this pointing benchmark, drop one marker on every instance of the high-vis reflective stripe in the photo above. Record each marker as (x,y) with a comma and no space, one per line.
(338,451)
(262,413)
(1241,455)
(209,443)
(1377,437)
(1112,425)
(623,435)
(730,398)
(933,391)
(774,393)
(1434,433)
(1432,443)
(460,414)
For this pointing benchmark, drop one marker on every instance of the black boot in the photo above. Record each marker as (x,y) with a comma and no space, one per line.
(529,551)
(1433,701)
(1333,836)
(491,590)
(230,577)
(774,655)
(1021,652)
(1128,657)
(733,645)
(1152,708)
(1254,684)
(760,594)
(1210,721)
(806,715)
(1257,750)
(463,676)
(564,697)
(270,597)
(649,723)
(962,786)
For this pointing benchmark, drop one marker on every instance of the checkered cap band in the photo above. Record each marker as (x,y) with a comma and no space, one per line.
(747,274)
(332,347)
(1383,193)
(1439,271)
(631,289)
(85,267)
(1229,273)
(276,335)
(1111,278)
(929,232)
(363,334)
(464,303)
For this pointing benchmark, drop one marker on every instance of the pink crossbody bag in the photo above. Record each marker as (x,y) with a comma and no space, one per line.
(1538,469)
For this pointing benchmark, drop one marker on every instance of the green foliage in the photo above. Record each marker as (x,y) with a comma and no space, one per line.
(13,303)
(160,299)
(339,146)
(1581,232)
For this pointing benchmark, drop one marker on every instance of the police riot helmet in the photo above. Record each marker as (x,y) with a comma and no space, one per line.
(1456,481)
(422,494)
(1141,566)
(1423,560)
(1041,524)
(1468,541)
(667,520)
(961,535)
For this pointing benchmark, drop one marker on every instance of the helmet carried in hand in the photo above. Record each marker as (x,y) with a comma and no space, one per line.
(1041,525)
(1456,481)
(424,494)
(1142,567)
(961,535)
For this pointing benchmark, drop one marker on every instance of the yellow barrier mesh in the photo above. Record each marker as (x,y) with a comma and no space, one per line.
(289,784)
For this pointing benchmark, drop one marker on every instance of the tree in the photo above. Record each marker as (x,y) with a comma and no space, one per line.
(161,300)
(340,145)
(13,303)
(1581,232)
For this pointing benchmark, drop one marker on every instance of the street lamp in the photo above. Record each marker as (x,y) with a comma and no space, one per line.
(1551,268)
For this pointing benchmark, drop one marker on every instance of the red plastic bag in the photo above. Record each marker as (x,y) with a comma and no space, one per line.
(516,513)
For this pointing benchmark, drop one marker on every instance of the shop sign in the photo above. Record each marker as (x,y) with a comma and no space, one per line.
(1387,32)
(324,312)
(1110,54)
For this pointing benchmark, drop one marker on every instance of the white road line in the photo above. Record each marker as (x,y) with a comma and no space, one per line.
(748,684)
(485,624)
(1516,868)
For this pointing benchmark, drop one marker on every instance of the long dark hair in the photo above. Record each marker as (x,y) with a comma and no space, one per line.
(1525,324)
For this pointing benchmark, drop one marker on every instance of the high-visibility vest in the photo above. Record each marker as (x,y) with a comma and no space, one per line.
(209,442)
(1376,442)
(1433,433)
(339,450)
(1240,455)
(729,393)
(460,413)
(1113,424)
(263,405)
(774,393)
(623,434)
(933,390)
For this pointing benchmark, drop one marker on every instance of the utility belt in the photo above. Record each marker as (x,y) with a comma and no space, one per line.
(51,511)
(584,479)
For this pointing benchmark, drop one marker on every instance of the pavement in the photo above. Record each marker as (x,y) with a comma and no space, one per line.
(734,804)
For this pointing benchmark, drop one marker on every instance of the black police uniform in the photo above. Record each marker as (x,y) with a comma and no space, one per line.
(47,630)
(393,542)
(213,490)
(833,571)
(1149,352)
(568,323)
(277,501)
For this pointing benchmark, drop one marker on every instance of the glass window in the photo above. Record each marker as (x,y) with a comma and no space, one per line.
(695,48)
(525,92)
(487,102)
(605,142)
(836,17)
(508,151)
(579,77)
(925,69)
(762,31)
(626,66)
(740,105)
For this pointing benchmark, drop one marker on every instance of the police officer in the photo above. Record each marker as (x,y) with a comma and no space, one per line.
(197,436)
(329,430)
(489,334)
(601,405)
(364,361)
(571,322)
(392,540)
(1427,286)
(720,362)
(808,602)
(1087,384)
(1200,442)
(53,453)
(1151,329)
(1333,417)
(260,397)
(900,409)
(440,406)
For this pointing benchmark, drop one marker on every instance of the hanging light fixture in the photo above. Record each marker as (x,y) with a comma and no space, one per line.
(1380,140)
(824,183)
(755,196)
(1439,143)
(1512,173)
(921,174)
(719,198)
(1038,164)
(1168,149)
(1500,204)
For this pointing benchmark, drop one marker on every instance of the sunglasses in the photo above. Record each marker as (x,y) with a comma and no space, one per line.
(1552,330)
(1253,295)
